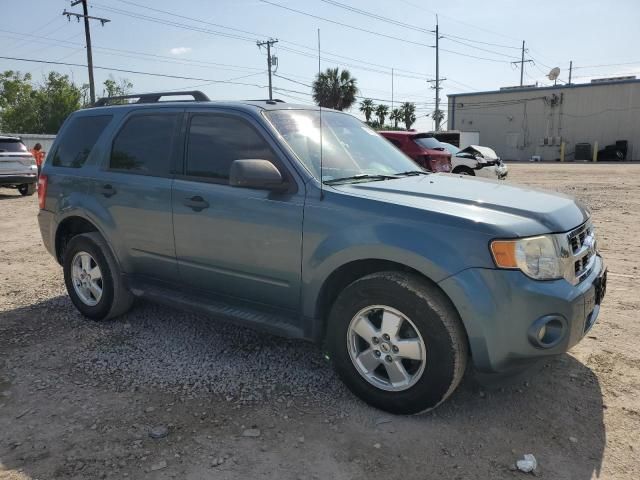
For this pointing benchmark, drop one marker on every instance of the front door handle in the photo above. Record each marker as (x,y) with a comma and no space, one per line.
(107,190)
(196,203)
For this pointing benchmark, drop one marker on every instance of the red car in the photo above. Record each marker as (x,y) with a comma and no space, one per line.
(422,148)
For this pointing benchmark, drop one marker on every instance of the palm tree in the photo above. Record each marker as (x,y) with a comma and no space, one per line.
(335,89)
(381,113)
(408,114)
(367,107)
(396,116)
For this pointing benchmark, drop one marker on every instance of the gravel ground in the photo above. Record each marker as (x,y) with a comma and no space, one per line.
(165,394)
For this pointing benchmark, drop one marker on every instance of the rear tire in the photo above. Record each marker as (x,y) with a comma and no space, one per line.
(93,278)
(425,319)
(27,189)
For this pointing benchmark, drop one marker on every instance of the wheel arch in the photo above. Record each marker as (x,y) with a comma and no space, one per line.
(69,228)
(351,271)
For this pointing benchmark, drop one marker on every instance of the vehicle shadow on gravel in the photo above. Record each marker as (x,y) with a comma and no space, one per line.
(48,350)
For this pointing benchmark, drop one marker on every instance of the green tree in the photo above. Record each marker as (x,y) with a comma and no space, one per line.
(408,114)
(116,88)
(26,108)
(382,112)
(335,89)
(396,116)
(367,107)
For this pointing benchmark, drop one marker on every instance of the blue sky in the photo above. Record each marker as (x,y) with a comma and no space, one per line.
(217,42)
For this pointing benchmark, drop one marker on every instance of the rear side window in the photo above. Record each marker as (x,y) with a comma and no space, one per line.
(394,141)
(144,145)
(11,145)
(427,142)
(78,140)
(215,141)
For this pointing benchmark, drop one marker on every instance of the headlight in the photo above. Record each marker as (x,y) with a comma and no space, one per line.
(537,257)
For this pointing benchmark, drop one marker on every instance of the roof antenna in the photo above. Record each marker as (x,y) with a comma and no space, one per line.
(320,107)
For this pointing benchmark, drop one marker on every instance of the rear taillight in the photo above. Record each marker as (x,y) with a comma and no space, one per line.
(43,180)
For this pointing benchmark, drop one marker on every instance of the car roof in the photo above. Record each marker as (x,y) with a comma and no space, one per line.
(246,105)
(10,137)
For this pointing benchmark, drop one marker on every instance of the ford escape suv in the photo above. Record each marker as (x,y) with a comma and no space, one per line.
(309,224)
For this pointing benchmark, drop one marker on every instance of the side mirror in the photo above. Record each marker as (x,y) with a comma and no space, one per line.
(254,173)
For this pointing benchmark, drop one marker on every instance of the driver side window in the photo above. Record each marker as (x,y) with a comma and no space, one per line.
(215,141)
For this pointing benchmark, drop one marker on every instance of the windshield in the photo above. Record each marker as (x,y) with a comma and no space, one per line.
(349,147)
(11,145)
(452,149)
(428,142)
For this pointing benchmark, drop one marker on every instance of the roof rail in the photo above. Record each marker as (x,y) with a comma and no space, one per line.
(197,95)
(274,100)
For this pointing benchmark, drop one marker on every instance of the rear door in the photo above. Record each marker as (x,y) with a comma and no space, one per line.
(134,187)
(238,242)
(15,159)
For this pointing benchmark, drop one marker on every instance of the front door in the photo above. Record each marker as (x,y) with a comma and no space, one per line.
(239,242)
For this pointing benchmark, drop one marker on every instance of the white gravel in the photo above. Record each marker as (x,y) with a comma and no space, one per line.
(191,355)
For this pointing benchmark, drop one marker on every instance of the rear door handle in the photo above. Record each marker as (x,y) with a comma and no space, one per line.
(196,203)
(107,190)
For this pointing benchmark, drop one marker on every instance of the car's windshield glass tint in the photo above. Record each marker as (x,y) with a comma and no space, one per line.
(7,145)
(349,147)
(428,142)
(78,139)
(452,149)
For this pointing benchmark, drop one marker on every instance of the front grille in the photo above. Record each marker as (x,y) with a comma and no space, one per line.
(583,250)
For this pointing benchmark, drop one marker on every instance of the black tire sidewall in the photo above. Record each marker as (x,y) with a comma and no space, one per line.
(440,369)
(81,243)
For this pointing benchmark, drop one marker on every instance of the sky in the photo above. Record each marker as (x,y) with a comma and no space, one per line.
(213,43)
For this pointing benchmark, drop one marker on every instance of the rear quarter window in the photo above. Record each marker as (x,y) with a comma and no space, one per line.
(11,145)
(78,139)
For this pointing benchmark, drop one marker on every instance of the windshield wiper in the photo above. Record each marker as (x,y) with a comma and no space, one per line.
(360,176)
(411,173)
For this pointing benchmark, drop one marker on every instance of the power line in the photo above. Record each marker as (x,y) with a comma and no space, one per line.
(346,24)
(136,72)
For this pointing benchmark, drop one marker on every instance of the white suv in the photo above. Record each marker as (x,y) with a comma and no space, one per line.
(477,161)
(17,166)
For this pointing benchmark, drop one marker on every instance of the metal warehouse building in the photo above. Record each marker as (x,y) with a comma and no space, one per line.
(524,122)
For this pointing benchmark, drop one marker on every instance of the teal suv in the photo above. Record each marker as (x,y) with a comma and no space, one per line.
(308,224)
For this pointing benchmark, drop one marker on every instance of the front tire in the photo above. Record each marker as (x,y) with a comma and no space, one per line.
(397,342)
(93,279)
(27,189)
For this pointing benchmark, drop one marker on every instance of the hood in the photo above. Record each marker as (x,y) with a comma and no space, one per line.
(503,209)
(479,152)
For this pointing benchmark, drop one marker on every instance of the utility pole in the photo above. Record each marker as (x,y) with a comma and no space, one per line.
(437,114)
(392,89)
(87,33)
(522,62)
(570,71)
(269,43)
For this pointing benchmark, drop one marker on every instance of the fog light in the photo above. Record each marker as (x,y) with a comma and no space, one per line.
(548,331)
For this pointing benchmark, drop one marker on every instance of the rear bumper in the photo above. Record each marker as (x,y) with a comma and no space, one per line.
(18,179)
(47,231)
(502,309)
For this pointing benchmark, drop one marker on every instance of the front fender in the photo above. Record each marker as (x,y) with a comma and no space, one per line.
(335,235)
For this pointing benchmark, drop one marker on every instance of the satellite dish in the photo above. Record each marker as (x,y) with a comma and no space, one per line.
(554,73)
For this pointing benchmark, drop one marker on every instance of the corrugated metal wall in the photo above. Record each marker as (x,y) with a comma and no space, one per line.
(519,124)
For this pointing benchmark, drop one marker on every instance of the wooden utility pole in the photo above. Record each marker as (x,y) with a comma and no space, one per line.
(522,62)
(269,43)
(570,71)
(87,33)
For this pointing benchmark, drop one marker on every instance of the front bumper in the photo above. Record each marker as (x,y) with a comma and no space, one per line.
(493,171)
(18,179)
(499,307)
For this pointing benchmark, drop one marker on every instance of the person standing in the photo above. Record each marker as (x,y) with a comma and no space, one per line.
(38,154)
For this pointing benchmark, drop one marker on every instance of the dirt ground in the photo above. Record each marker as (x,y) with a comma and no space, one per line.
(79,399)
